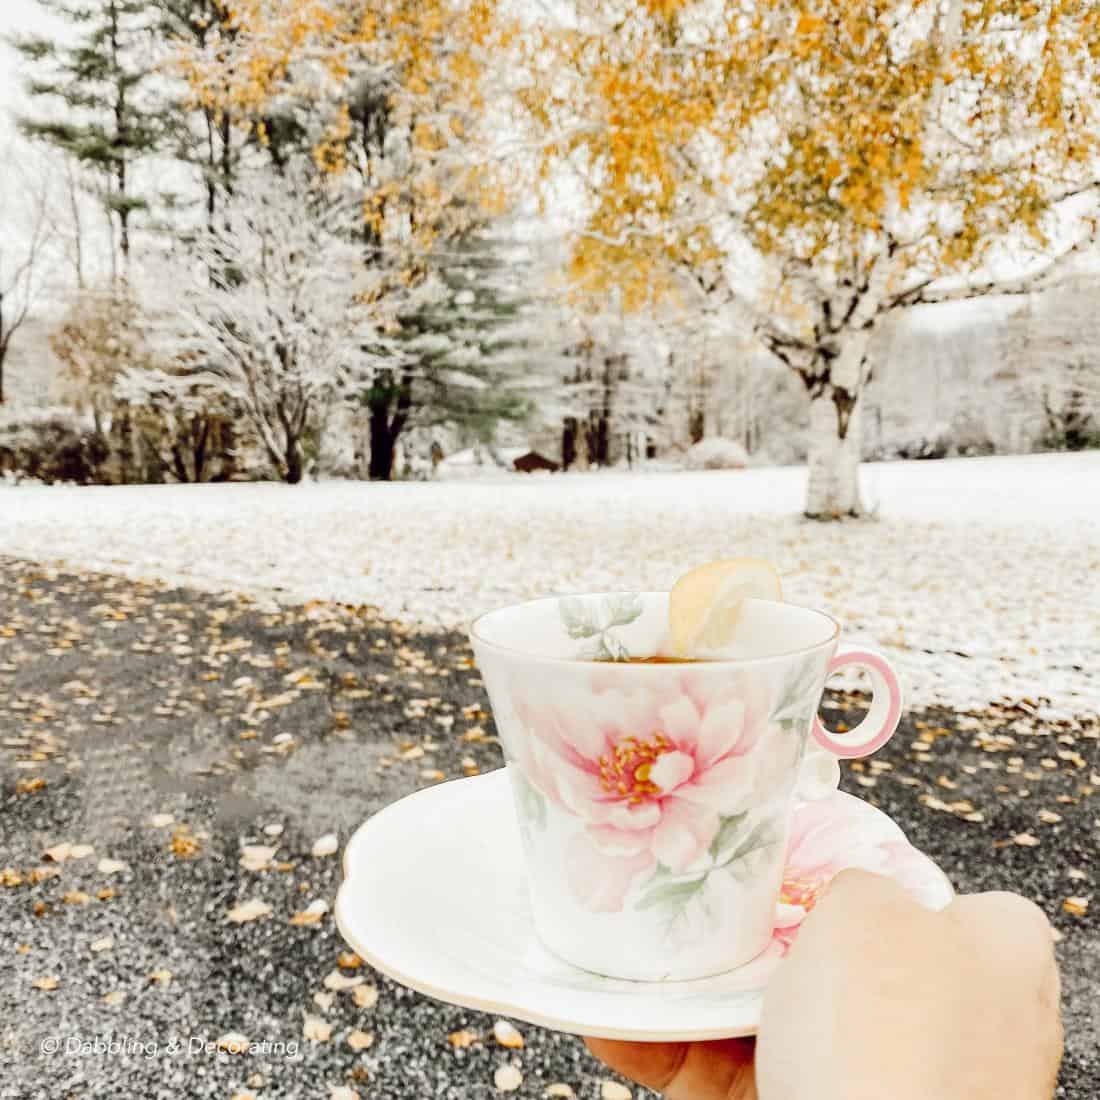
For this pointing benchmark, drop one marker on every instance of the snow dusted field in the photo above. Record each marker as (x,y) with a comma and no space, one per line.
(980,578)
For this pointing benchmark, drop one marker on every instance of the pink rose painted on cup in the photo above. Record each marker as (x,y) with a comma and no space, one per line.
(660,777)
(844,832)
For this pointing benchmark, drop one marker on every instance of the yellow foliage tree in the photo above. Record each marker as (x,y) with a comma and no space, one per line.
(410,69)
(818,164)
(395,92)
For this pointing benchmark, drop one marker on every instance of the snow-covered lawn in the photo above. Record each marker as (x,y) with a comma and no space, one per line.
(981,577)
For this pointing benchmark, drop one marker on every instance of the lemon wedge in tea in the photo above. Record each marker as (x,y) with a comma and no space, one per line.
(705,604)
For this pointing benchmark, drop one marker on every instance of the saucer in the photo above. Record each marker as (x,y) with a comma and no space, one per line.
(434,896)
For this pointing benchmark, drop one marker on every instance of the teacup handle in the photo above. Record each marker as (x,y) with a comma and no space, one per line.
(882,717)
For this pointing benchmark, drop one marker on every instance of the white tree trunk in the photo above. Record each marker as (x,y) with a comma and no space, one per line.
(833,488)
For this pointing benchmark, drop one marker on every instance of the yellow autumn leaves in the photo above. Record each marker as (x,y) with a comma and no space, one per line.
(803,128)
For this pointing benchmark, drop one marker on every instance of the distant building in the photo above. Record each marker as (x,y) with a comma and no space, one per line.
(531,461)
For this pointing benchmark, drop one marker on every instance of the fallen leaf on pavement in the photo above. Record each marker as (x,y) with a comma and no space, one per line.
(507,1078)
(326,845)
(316,1029)
(248,910)
(337,981)
(312,913)
(360,1040)
(257,857)
(506,1035)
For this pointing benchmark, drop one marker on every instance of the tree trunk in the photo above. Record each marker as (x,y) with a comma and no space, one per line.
(568,442)
(696,425)
(293,461)
(835,422)
(389,393)
(381,445)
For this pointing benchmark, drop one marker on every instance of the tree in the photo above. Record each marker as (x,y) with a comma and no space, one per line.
(24,240)
(271,306)
(468,350)
(100,338)
(1053,354)
(819,167)
(101,81)
(203,134)
(387,102)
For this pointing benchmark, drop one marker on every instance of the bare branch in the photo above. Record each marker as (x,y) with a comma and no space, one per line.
(925,292)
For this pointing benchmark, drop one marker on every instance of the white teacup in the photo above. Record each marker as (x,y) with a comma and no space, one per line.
(655,798)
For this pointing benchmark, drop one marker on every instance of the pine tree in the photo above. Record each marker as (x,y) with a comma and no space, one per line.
(469,350)
(208,139)
(99,81)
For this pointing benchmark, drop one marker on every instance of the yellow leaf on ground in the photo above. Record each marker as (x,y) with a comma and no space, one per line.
(317,1030)
(506,1035)
(326,845)
(507,1078)
(248,910)
(336,981)
(360,1040)
(311,914)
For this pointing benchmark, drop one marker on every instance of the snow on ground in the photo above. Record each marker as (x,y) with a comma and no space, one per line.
(981,577)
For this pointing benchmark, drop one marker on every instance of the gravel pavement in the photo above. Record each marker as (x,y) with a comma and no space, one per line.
(165,728)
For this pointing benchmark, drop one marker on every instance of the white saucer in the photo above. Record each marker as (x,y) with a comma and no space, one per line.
(434,896)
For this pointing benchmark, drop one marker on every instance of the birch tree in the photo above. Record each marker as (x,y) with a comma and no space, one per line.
(817,167)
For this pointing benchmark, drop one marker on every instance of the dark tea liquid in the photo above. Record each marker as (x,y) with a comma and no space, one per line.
(656,660)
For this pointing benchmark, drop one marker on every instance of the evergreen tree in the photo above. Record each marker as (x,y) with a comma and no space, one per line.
(468,350)
(206,136)
(100,80)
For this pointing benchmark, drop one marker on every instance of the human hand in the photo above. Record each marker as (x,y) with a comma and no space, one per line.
(881,997)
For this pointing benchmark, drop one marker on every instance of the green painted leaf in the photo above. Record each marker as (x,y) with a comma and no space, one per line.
(676,894)
(761,837)
(582,620)
(727,831)
(623,609)
(796,699)
(531,802)
(576,618)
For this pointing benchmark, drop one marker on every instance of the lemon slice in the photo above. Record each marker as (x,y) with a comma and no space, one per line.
(705,604)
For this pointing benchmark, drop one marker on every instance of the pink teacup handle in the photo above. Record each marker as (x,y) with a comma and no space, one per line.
(882,717)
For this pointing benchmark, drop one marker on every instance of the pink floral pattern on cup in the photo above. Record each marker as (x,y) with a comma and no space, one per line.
(662,778)
(838,833)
